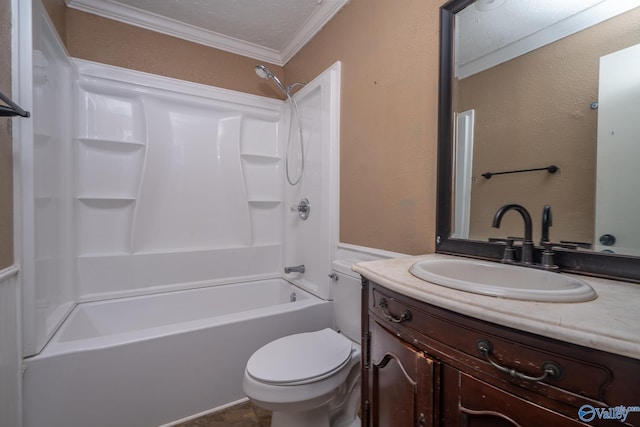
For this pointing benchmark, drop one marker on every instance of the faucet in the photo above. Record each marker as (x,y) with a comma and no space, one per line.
(294,269)
(546,261)
(527,244)
(547,221)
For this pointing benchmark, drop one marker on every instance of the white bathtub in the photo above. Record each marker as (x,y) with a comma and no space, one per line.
(151,360)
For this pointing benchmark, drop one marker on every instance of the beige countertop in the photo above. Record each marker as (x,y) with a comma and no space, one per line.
(610,323)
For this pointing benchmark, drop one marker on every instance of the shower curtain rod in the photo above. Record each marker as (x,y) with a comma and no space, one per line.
(11,109)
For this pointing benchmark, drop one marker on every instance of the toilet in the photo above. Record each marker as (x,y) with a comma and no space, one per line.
(313,379)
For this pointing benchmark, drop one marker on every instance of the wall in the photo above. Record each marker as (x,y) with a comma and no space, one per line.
(389,103)
(56,10)
(388,123)
(534,111)
(103,40)
(6,171)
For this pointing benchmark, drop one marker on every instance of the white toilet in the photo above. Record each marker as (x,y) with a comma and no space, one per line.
(313,379)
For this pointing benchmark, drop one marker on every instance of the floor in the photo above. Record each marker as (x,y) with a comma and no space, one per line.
(243,415)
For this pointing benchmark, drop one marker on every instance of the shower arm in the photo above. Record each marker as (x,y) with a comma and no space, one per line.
(292,85)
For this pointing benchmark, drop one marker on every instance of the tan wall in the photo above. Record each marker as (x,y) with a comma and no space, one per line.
(389,52)
(103,40)
(57,12)
(534,111)
(6,171)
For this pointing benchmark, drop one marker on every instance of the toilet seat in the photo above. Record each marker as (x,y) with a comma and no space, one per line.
(300,358)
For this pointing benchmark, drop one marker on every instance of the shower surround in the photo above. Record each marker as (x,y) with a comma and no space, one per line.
(176,183)
(134,185)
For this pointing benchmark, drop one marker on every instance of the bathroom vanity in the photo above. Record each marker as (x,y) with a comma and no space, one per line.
(434,356)
(456,351)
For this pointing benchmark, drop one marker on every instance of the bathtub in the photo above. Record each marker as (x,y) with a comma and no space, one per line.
(152,360)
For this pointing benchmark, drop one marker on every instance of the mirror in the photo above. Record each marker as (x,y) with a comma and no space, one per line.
(529,85)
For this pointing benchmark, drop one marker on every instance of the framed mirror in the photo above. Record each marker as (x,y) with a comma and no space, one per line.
(539,105)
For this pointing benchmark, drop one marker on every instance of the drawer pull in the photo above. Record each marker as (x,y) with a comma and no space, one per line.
(549,369)
(405,316)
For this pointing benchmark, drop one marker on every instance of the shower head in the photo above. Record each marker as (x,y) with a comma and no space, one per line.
(265,73)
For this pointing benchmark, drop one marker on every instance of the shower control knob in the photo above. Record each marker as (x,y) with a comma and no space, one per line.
(333,276)
(303,208)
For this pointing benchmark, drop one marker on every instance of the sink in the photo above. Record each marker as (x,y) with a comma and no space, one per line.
(503,280)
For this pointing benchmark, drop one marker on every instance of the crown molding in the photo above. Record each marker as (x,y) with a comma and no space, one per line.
(161,24)
(314,24)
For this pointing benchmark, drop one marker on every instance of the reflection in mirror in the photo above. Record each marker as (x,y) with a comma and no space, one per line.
(532,84)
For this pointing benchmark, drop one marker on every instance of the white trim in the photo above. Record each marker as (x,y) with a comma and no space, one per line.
(578,22)
(23,187)
(161,24)
(365,253)
(9,272)
(11,277)
(89,69)
(463,173)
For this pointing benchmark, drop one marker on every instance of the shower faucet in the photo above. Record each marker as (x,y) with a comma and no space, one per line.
(294,269)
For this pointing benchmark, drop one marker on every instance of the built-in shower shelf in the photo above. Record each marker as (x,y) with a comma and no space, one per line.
(105,199)
(262,176)
(104,225)
(40,139)
(266,215)
(108,168)
(112,144)
(260,158)
(104,255)
(264,203)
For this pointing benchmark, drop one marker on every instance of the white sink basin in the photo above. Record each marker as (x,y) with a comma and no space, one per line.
(503,280)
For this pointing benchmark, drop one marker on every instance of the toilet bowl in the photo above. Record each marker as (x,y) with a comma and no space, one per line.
(310,376)
(312,379)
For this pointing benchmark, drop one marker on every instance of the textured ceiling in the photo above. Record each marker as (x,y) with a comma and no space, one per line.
(485,30)
(493,31)
(264,29)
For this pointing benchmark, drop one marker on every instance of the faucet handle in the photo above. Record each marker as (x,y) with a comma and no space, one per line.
(547,262)
(584,245)
(548,246)
(509,250)
(508,240)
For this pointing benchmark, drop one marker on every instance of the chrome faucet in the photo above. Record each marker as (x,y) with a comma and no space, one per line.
(294,269)
(527,244)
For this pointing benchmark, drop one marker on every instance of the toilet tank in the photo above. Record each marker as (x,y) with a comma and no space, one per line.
(346,291)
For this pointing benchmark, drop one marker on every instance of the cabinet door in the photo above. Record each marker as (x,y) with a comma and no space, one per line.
(402,382)
(483,405)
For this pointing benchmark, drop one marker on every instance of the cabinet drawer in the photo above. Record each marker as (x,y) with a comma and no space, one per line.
(523,357)
(482,404)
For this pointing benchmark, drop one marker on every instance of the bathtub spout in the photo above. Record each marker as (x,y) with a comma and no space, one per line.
(294,269)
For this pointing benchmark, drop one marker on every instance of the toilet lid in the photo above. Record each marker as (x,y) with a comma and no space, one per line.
(300,357)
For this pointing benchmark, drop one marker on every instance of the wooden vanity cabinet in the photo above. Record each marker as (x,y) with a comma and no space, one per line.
(403,380)
(423,366)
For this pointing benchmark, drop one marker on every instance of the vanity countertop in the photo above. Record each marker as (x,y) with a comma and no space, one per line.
(610,323)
